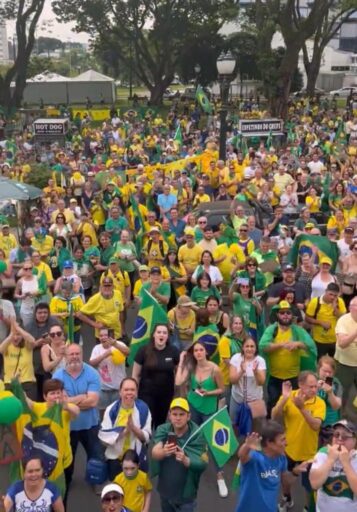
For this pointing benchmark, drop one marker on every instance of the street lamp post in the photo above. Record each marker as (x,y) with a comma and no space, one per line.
(197,73)
(225,67)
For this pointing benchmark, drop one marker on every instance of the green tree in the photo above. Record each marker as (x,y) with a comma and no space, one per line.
(330,22)
(158,31)
(26,14)
(48,45)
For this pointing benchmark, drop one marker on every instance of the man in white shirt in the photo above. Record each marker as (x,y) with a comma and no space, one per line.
(315,165)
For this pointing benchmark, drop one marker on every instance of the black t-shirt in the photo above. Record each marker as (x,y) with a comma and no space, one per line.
(301,295)
(158,378)
(37,331)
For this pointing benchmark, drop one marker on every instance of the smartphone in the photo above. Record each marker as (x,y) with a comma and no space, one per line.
(111,333)
(329,380)
(172,438)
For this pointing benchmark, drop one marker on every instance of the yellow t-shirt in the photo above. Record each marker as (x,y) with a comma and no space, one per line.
(183,323)
(225,352)
(190,257)
(40,408)
(122,421)
(7,243)
(155,252)
(348,355)
(18,361)
(98,214)
(43,268)
(120,280)
(134,489)
(59,305)
(226,266)
(284,364)
(205,198)
(106,311)
(301,439)
(42,246)
(324,314)
(313,203)
(88,230)
(137,287)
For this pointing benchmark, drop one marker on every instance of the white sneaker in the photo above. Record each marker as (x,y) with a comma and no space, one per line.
(222,488)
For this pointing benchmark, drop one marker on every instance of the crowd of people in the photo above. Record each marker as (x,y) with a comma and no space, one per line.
(260,308)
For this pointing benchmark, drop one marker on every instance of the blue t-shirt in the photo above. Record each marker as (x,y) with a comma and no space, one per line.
(260,482)
(43,503)
(87,381)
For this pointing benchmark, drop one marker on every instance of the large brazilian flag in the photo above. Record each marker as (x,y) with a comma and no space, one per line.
(203,101)
(149,315)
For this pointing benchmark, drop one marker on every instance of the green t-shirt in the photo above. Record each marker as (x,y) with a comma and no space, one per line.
(106,255)
(115,227)
(241,307)
(200,296)
(162,289)
(128,250)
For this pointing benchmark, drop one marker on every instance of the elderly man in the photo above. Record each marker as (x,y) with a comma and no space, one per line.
(126,424)
(166,201)
(82,385)
(346,352)
(112,499)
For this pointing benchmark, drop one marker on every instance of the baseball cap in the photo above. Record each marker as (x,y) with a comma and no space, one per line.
(113,260)
(144,267)
(154,230)
(68,264)
(5,226)
(184,300)
(325,260)
(310,225)
(90,173)
(155,270)
(112,488)
(180,403)
(33,209)
(73,200)
(283,304)
(189,231)
(288,267)
(348,425)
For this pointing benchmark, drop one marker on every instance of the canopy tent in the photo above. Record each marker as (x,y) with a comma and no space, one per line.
(54,89)
(14,190)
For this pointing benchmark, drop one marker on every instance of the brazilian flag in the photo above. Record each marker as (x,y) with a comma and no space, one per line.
(178,136)
(138,223)
(221,441)
(42,433)
(149,315)
(208,335)
(269,141)
(323,245)
(203,101)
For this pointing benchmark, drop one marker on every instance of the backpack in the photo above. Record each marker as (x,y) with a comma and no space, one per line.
(161,247)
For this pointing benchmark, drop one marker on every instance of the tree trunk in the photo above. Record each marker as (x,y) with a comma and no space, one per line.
(313,73)
(279,103)
(157,91)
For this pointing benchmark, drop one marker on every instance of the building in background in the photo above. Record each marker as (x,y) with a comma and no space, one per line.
(4,48)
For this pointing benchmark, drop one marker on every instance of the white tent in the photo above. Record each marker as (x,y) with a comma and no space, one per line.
(91,76)
(48,76)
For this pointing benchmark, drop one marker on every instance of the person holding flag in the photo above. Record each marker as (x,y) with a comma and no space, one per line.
(205,382)
(179,459)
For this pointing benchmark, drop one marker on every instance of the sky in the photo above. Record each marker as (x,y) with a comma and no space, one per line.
(63,31)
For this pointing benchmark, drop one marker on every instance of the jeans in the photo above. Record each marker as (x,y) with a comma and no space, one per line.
(347,375)
(168,506)
(92,446)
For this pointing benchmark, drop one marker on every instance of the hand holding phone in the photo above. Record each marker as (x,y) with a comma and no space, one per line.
(172,438)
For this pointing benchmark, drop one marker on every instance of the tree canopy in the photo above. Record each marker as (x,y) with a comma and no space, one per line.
(156,32)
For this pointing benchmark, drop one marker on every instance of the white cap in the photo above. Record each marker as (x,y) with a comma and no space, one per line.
(111,488)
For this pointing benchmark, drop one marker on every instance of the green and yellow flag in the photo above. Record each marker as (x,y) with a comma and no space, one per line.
(149,315)
(321,244)
(219,435)
(203,101)
(208,335)
(42,433)
(178,136)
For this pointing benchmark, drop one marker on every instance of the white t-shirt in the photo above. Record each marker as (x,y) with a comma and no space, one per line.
(315,166)
(214,273)
(253,391)
(110,374)
(335,495)
(344,248)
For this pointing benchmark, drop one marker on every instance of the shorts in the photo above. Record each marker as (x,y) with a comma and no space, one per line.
(304,476)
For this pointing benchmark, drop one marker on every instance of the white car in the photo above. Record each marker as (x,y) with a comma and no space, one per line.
(344,92)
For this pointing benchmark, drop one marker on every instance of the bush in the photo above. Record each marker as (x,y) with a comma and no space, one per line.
(39,175)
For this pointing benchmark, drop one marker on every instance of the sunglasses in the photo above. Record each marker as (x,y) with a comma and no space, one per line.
(243,231)
(251,265)
(343,437)
(55,333)
(108,499)
(202,222)
(27,268)
(285,313)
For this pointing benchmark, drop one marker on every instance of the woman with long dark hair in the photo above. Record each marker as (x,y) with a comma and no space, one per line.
(205,383)
(178,277)
(203,290)
(154,370)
